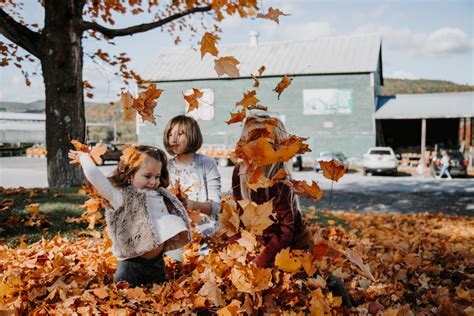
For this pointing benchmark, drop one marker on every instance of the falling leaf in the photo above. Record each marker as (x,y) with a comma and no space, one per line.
(260,152)
(332,170)
(257,82)
(303,189)
(282,85)
(237,117)
(131,157)
(227,65)
(256,218)
(208,44)
(264,182)
(79,146)
(96,152)
(261,70)
(192,99)
(249,99)
(129,112)
(272,14)
(146,102)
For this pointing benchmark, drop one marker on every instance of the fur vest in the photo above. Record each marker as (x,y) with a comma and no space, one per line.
(130,227)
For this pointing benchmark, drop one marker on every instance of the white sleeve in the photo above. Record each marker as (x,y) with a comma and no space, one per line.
(100,182)
(213,179)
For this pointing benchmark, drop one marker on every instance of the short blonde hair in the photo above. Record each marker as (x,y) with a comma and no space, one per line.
(191,130)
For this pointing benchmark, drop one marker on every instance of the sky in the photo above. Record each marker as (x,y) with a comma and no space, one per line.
(427,39)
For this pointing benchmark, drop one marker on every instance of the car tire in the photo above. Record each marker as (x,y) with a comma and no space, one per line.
(223,162)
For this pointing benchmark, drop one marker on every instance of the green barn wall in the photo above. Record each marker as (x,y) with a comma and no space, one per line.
(351,133)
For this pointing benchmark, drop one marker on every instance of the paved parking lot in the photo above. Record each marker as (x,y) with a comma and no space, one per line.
(401,194)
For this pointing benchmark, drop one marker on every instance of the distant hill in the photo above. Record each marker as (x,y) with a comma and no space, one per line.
(33,107)
(406,86)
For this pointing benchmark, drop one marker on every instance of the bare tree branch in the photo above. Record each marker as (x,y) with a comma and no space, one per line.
(111,33)
(20,34)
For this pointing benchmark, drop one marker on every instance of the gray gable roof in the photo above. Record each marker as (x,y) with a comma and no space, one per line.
(329,55)
(426,105)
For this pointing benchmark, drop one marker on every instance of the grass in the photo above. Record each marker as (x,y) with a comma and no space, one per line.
(55,205)
(59,204)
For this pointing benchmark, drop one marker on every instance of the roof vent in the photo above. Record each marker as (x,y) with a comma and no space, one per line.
(253,38)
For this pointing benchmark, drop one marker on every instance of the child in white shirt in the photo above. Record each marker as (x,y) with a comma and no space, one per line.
(145,219)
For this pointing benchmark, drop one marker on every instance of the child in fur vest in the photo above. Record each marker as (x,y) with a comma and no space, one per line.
(144,218)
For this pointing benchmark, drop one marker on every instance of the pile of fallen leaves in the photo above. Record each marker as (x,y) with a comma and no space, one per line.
(395,264)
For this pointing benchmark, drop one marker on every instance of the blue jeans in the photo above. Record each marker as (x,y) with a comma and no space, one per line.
(140,271)
(444,170)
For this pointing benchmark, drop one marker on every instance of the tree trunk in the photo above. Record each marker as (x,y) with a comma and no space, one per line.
(62,73)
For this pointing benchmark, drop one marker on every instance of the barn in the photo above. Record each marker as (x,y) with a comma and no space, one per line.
(332,98)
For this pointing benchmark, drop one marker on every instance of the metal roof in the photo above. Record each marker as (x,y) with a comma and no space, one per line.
(426,105)
(326,55)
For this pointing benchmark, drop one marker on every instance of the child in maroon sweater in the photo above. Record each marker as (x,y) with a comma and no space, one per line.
(289,230)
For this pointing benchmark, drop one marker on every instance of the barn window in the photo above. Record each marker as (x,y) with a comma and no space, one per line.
(205,110)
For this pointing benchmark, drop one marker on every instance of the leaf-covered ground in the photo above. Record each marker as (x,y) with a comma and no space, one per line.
(421,264)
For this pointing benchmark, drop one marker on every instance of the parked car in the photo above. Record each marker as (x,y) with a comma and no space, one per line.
(113,153)
(328,156)
(457,164)
(380,160)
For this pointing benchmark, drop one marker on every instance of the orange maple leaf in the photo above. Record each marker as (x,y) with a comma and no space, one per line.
(146,102)
(250,279)
(227,65)
(320,249)
(261,152)
(263,182)
(33,209)
(229,220)
(208,44)
(261,70)
(131,156)
(282,85)
(213,293)
(95,152)
(247,240)
(256,217)
(129,112)
(273,14)
(192,99)
(303,189)
(332,170)
(249,99)
(79,146)
(287,261)
(237,117)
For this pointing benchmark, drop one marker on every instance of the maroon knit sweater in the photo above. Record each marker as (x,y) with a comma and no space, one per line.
(288,230)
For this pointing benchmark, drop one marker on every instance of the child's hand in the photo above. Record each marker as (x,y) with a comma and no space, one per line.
(75,155)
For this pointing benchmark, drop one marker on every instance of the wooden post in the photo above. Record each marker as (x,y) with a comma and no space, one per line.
(423,146)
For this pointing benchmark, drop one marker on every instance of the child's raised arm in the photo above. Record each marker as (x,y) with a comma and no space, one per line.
(97,178)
